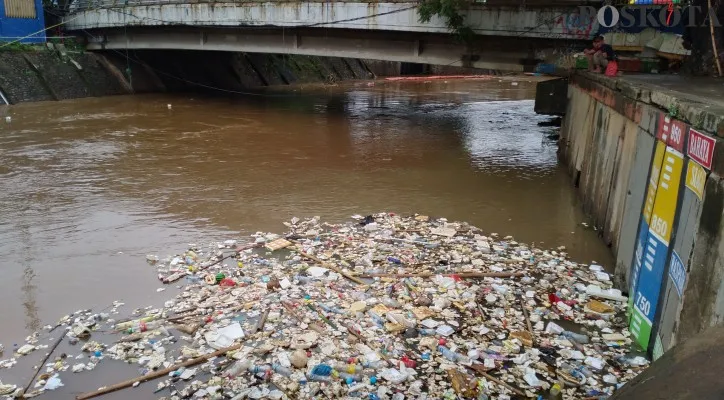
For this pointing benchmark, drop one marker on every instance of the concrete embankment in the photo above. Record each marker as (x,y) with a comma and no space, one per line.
(57,75)
(646,157)
(52,73)
(45,75)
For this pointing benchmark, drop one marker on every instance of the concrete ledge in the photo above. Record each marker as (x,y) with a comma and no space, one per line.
(697,101)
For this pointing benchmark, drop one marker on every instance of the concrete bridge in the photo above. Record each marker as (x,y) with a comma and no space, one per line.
(507,37)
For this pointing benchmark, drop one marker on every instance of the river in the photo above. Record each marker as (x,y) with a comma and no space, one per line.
(90,186)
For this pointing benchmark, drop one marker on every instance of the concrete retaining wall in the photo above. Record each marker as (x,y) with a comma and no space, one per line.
(652,185)
(46,75)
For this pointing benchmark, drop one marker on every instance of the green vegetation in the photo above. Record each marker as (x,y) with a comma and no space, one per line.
(450,11)
(16,46)
(71,44)
(674,110)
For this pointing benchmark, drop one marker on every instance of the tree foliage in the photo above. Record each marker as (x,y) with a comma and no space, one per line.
(451,12)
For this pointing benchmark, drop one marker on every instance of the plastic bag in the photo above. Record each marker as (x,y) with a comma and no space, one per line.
(612,68)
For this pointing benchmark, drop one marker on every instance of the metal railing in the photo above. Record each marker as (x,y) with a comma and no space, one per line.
(81,5)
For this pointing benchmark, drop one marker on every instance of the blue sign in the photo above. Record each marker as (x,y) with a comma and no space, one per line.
(638,253)
(651,276)
(677,273)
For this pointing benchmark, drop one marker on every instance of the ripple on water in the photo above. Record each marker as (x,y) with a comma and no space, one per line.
(91,186)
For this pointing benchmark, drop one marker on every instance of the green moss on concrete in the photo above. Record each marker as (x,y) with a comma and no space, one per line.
(306,68)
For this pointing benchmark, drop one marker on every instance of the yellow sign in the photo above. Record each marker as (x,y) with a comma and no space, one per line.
(654,180)
(696,178)
(664,211)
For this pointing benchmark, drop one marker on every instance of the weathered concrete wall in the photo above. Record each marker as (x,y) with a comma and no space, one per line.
(559,22)
(687,372)
(704,294)
(237,72)
(19,81)
(43,75)
(600,146)
(652,185)
(384,68)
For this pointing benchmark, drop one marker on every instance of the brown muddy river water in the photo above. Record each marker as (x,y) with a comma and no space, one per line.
(89,187)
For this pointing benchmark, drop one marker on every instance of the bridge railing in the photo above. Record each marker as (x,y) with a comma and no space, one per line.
(83,5)
(96,4)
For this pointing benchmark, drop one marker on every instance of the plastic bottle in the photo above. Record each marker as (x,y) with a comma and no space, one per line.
(376,318)
(451,355)
(258,369)
(373,364)
(354,377)
(281,370)
(427,332)
(348,368)
(335,310)
(630,360)
(141,326)
(318,378)
(390,302)
(130,324)
(585,371)
(236,369)
(576,337)
(555,392)
(302,279)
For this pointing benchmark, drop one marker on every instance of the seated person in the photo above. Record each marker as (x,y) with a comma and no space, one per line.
(599,55)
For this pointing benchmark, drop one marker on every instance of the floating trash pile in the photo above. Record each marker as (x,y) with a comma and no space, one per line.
(384,307)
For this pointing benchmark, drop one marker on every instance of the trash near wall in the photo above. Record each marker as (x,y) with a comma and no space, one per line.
(381,307)
(666,225)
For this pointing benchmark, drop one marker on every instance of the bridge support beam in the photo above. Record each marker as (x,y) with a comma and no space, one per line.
(432,49)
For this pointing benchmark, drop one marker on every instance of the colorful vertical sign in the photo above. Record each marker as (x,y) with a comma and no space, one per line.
(648,208)
(701,148)
(672,132)
(653,243)
(677,273)
(695,178)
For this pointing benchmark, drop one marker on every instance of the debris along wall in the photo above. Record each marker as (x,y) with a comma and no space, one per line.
(651,183)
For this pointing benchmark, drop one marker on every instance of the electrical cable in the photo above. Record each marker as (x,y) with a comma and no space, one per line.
(37,32)
(65,21)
